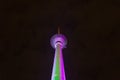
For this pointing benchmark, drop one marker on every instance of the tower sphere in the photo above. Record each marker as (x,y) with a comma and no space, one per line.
(58,39)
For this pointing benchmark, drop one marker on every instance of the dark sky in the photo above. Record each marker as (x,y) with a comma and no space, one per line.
(92,28)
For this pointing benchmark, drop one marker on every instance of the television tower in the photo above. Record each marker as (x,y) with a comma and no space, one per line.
(58,42)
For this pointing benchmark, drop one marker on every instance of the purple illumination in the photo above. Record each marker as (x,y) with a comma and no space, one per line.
(62,67)
(58,42)
(58,38)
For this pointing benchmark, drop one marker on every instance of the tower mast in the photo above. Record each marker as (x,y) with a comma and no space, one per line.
(58,42)
(58,30)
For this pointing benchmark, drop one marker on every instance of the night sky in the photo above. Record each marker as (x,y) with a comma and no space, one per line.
(92,28)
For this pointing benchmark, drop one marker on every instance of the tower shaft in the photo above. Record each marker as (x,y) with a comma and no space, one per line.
(58,66)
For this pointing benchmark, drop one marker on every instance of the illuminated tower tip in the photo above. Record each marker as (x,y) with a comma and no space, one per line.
(58,42)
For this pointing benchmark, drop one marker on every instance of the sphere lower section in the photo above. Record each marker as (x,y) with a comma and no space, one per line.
(58,39)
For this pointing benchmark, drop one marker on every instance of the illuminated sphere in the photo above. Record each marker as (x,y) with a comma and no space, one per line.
(58,39)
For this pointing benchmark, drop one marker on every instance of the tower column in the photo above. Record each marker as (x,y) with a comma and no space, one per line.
(58,42)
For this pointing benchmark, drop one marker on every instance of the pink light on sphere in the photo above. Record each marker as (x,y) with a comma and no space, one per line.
(58,38)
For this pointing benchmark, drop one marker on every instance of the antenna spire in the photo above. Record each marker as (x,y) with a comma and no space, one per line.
(58,30)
